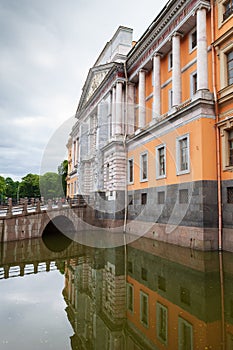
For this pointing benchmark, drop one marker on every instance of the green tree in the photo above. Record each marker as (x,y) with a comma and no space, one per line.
(62,171)
(51,185)
(29,186)
(2,189)
(11,188)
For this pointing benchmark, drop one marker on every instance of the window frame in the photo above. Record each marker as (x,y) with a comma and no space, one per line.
(223,66)
(193,83)
(221,12)
(179,171)
(191,48)
(160,307)
(181,322)
(143,322)
(130,286)
(228,68)
(170,61)
(170,99)
(142,179)
(230,10)
(157,161)
(129,179)
(225,130)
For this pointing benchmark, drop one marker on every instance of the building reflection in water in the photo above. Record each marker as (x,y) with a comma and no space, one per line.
(150,296)
(146,295)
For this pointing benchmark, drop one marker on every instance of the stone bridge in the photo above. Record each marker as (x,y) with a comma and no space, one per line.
(30,256)
(31,224)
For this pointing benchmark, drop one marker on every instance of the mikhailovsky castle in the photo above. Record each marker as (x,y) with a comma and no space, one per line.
(152,146)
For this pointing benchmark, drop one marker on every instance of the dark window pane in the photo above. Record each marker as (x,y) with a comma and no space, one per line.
(183,196)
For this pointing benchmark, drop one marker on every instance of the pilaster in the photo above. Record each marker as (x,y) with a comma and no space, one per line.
(157,85)
(176,71)
(142,98)
(202,59)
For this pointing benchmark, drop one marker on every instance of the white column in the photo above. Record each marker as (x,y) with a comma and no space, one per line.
(142,98)
(113,111)
(130,109)
(157,86)
(119,108)
(176,73)
(202,59)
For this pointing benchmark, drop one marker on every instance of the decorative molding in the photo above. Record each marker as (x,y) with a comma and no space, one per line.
(158,33)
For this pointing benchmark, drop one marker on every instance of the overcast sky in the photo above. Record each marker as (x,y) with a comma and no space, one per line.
(47,48)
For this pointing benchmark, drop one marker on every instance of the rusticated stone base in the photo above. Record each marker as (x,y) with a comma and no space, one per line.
(194,237)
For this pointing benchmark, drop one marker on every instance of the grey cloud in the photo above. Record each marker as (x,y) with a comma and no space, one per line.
(47,48)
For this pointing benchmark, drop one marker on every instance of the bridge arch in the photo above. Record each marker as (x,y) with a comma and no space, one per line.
(56,234)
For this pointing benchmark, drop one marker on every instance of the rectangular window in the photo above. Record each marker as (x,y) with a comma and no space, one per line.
(230,195)
(144,167)
(230,145)
(193,39)
(161,197)
(182,155)
(185,335)
(143,198)
(170,99)
(170,61)
(130,297)
(193,83)
(130,199)
(230,67)
(144,274)
(144,309)
(130,171)
(161,322)
(183,196)
(228,9)
(107,172)
(130,266)
(227,147)
(162,283)
(160,161)
(185,295)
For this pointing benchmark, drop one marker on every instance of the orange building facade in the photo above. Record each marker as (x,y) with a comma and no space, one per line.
(159,128)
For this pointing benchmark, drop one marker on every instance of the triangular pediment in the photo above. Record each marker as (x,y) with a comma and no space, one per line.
(94,79)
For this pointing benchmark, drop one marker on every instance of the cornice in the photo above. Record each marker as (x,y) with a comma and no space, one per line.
(224,37)
(167,22)
(168,119)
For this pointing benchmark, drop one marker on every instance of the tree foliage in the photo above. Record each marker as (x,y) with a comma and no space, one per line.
(29,186)
(50,185)
(63,171)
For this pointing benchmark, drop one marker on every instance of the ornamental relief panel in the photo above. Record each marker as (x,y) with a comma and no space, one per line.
(94,84)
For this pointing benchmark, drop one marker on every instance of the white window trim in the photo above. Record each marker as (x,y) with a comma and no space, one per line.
(224,132)
(190,41)
(158,308)
(130,182)
(142,294)
(180,322)
(170,99)
(178,139)
(170,61)
(130,285)
(221,10)
(223,66)
(141,170)
(157,148)
(192,92)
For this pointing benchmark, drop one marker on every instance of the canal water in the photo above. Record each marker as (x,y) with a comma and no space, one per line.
(144,295)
